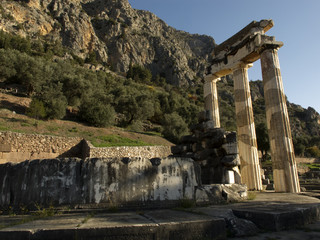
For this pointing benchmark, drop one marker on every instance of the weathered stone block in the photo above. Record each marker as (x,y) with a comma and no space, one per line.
(124,181)
(231,137)
(265,181)
(189,139)
(231,160)
(231,148)
(196,147)
(214,138)
(204,154)
(204,116)
(209,125)
(270,186)
(5,148)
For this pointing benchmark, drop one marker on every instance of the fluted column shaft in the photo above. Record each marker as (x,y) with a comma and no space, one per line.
(247,142)
(211,99)
(282,153)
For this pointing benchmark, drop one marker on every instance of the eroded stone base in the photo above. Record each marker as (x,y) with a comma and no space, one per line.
(110,182)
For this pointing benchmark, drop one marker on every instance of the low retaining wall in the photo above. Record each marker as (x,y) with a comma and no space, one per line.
(120,182)
(18,147)
(126,151)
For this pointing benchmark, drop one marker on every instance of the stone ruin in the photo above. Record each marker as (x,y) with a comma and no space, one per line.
(214,149)
(132,181)
(235,56)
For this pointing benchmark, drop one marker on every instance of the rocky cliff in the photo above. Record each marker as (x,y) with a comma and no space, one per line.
(115,32)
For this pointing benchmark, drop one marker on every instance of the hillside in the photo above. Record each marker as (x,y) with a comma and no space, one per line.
(115,67)
(13,119)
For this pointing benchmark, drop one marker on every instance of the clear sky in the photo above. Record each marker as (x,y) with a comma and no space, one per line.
(296,24)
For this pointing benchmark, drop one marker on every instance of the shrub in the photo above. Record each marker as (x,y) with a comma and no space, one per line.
(97,113)
(313,151)
(36,109)
(139,74)
(174,127)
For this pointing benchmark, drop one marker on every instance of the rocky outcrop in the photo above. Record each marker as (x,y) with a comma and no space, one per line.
(115,32)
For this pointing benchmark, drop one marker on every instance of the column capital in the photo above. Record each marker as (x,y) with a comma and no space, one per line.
(242,65)
(211,77)
(266,47)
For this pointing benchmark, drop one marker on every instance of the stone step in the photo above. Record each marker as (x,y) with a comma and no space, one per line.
(153,225)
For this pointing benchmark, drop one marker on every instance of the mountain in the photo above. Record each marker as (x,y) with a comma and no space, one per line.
(115,32)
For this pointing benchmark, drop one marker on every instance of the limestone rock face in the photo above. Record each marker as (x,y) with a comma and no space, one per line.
(117,33)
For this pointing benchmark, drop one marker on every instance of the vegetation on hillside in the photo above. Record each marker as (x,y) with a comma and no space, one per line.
(56,79)
(101,99)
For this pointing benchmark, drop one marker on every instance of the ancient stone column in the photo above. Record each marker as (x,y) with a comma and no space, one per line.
(282,153)
(211,99)
(247,142)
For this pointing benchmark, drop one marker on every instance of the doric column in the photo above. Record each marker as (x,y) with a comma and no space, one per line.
(211,98)
(247,141)
(282,153)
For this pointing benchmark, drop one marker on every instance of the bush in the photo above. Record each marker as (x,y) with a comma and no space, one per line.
(36,109)
(313,152)
(174,127)
(139,74)
(97,113)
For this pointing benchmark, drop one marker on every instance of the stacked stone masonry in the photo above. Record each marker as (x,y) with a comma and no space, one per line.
(18,147)
(125,151)
(214,149)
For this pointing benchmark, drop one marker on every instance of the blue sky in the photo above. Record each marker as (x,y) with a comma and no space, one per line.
(296,24)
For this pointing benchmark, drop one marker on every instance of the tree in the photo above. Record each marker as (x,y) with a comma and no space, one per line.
(262,138)
(134,104)
(139,74)
(96,112)
(174,127)
(53,99)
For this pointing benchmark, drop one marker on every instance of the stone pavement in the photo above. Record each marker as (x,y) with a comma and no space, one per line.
(268,216)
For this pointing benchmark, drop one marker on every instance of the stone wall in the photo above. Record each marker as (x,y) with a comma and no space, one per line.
(125,151)
(109,182)
(17,147)
(215,149)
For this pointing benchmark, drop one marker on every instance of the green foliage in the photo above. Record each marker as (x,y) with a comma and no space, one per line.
(54,101)
(133,103)
(139,74)
(92,58)
(97,112)
(251,195)
(36,109)
(313,151)
(8,41)
(313,166)
(174,127)
(99,97)
(262,138)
